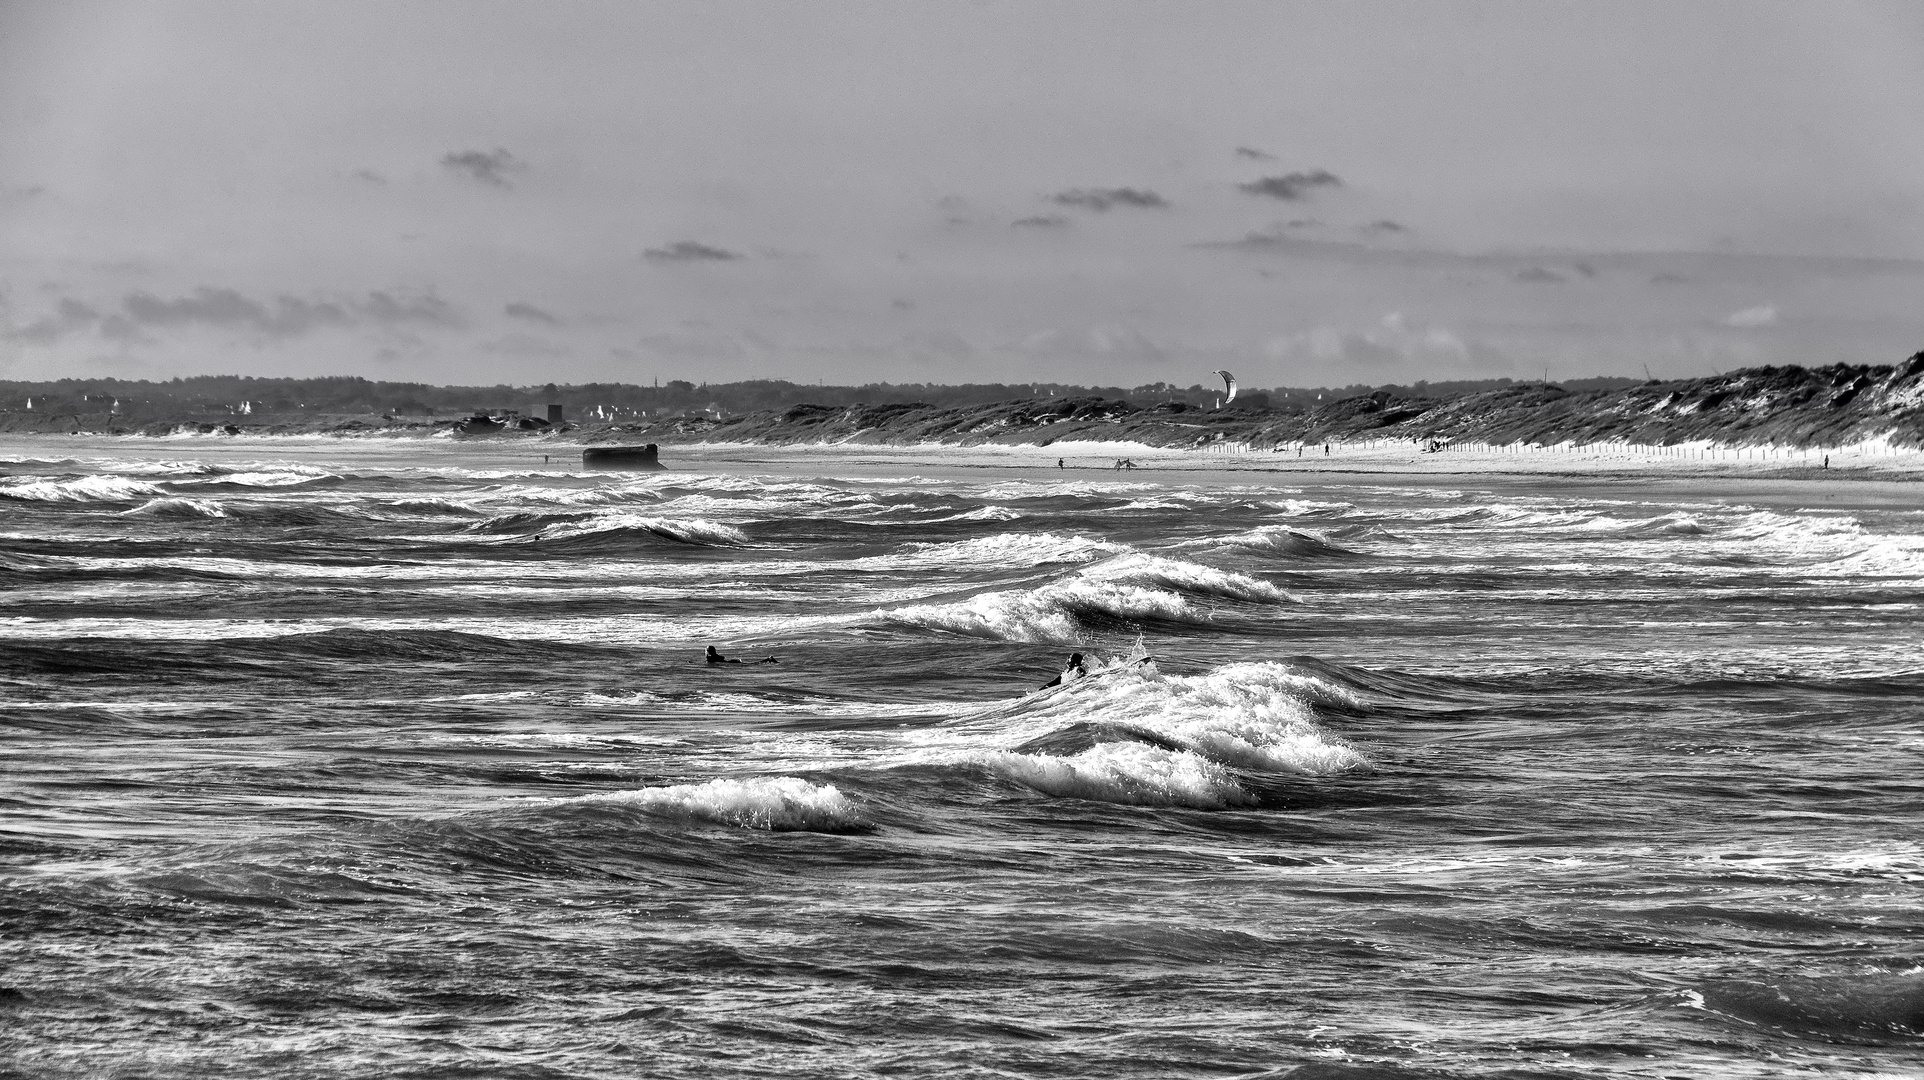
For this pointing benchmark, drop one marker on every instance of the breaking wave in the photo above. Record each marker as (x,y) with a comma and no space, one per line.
(179,508)
(1000,551)
(85,489)
(599,530)
(1126,733)
(1154,571)
(779,804)
(1056,613)
(1275,540)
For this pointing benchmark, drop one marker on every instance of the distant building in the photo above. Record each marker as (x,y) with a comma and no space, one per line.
(554,412)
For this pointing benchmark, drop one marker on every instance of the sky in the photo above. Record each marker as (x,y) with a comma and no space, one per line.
(1112,193)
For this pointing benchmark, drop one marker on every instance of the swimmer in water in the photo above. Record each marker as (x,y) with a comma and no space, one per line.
(1076,669)
(717,658)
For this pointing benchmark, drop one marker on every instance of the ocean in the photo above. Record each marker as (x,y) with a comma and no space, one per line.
(339,758)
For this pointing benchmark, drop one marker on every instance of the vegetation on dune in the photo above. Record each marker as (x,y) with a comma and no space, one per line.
(1787,406)
(1779,406)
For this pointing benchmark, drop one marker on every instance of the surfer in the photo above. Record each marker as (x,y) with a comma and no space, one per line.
(717,658)
(1075,669)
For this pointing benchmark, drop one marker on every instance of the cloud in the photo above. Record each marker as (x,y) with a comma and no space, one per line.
(1537,275)
(1383,225)
(1291,187)
(13,194)
(487,167)
(73,311)
(519,310)
(71,316)
(283,317)
(1041,221)
(221,307)
(286,316)
(525,345)
(1253,154)
(369,176)
(1104,198)
(689,251)
(425,308)
(1111,343)
(1391,341)
(1765,315)
(696,344)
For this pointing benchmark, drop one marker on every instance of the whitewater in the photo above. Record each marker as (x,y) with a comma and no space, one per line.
(331,758)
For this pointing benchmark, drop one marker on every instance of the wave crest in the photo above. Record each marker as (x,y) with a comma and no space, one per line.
(176,507)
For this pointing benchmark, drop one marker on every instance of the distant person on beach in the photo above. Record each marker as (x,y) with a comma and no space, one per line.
(1076,669)
(1826,461)
(1325,449)
(1058,463)
(717,658)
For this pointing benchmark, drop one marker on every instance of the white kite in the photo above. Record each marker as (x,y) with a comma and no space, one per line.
(1229,383)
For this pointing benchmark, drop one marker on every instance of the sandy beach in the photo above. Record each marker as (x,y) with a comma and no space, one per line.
(1862,462)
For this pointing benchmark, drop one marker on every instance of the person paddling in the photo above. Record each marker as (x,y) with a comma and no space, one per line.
(717,658)
(1076,669)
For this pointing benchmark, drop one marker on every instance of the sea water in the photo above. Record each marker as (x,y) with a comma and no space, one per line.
(340,759)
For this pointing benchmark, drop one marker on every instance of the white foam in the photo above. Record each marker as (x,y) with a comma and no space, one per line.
(777,803)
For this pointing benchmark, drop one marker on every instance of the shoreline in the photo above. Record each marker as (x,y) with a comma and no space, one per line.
(1356,461)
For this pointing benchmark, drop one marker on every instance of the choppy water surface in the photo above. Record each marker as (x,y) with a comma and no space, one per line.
(388,765)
